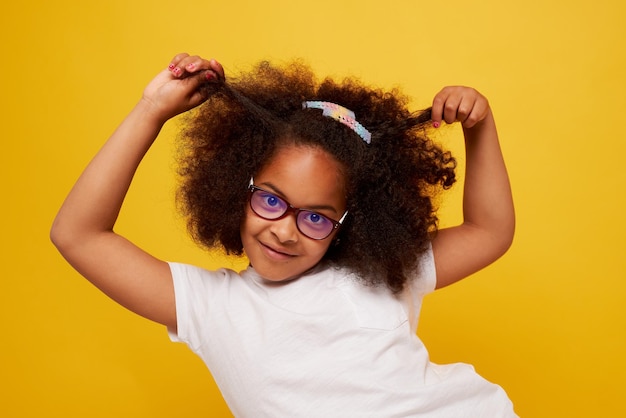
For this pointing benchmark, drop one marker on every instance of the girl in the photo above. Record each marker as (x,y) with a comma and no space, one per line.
(328,189)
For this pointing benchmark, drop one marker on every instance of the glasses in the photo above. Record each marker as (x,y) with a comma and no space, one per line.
(271,207)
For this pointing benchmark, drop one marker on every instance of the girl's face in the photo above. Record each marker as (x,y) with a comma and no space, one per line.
(305,177)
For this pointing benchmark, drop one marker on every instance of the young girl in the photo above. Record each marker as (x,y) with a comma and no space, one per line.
(328,189)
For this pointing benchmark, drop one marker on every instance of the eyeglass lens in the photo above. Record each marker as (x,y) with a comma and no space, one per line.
(270,206)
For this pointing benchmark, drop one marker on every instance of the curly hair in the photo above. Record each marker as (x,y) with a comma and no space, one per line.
(391,183)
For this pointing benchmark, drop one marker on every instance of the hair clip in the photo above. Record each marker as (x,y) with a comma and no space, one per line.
(341,114)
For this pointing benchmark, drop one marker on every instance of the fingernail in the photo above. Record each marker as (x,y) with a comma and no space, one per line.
(210,76)
(435,125)
(171,66)
(191,66)
(176,71)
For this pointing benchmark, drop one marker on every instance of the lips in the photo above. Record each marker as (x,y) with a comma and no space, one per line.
(274,253)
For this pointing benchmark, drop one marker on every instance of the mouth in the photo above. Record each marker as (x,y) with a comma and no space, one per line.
(276,253)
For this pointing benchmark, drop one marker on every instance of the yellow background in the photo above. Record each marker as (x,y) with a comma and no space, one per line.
(547,321)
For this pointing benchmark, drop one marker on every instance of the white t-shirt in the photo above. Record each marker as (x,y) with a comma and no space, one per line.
(322,345)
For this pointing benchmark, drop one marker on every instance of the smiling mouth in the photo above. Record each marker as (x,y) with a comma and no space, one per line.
(274,253)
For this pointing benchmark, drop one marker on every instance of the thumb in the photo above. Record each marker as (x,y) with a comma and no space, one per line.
(199,87)
(217,69)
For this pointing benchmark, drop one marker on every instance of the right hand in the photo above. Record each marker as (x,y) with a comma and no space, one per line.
(83,230)
(179,87)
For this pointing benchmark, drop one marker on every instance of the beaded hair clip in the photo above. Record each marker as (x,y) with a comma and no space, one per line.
(341,114)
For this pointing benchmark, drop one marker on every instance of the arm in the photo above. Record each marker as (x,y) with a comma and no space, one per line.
(83,228)
(488,215)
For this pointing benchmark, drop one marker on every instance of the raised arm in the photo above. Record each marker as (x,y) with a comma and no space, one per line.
(488,214)
(83,228)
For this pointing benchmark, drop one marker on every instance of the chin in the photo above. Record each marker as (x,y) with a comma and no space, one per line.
(276,267)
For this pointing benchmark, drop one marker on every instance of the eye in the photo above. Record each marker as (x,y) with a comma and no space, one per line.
(270,201)
(315,219)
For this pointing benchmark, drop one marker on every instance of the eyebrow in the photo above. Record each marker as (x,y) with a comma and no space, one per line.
(272,188)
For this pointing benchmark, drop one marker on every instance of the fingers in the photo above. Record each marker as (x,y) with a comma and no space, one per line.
(217,68)
(184,65)
(459,104)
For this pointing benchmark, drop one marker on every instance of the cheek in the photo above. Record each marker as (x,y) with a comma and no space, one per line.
(248,225)
(319,248)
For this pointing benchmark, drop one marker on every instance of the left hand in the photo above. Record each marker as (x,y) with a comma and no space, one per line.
(459,104)
(488,214)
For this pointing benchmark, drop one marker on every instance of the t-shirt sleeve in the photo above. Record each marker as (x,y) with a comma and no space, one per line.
(423,282)
(425,279)
(194,291)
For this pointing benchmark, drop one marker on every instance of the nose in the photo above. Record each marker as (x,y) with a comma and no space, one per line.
(285,229)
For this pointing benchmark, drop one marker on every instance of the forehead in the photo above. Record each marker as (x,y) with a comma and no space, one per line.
(305,175)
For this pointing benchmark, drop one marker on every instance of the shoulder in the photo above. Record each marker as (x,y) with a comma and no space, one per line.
(198,278)
(377,307)
(421,280)
(182,270)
